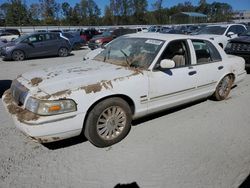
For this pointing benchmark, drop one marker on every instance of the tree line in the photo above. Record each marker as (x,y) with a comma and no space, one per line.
(117,12)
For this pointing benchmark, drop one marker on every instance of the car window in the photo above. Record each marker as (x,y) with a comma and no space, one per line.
(50,36)
(36,38)
(178,52)
(205,52)
(233,29)
(214,30)
(240,29)
(134,52)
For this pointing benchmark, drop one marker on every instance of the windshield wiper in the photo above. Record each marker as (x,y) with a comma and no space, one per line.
(126,57)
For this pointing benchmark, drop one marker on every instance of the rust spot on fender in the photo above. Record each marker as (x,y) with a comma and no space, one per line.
(98,86)
(21,114)
(92,88)
(35,81)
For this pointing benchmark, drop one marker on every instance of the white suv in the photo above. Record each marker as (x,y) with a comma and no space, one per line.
(222,33)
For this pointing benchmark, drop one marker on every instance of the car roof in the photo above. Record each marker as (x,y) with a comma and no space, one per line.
(165,37)
(223,25)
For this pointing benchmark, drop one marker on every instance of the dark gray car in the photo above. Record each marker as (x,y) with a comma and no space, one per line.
(36,45)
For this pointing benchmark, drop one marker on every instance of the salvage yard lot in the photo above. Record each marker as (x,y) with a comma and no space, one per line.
(204,144)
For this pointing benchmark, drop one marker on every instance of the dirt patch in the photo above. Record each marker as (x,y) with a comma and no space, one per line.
(92,88)
(21,114)
(124,77)
(35,81)
(60,93)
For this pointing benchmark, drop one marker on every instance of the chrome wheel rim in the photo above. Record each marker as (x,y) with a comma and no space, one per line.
(18,55)
(224,86)
(111,123)
(63,52)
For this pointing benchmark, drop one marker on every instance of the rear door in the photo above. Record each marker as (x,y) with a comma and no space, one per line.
(52,43)
(208,65)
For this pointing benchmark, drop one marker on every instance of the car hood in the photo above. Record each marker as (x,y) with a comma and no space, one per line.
(241,39)
(74,76)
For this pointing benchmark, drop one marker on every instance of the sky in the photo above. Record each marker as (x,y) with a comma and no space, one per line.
(236,4)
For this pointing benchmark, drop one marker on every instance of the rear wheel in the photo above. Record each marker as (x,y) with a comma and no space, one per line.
(223,88)
(108,122)
(18,55)
(63,52)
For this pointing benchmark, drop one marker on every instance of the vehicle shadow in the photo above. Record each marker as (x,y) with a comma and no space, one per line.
(4,85)
(246,183)
(66,143)
(130,185)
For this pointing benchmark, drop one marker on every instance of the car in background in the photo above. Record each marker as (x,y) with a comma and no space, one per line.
(75,40)
(222,33)
(9,30)
(101,40)
(36,45)
(240,46)
(97,98)
(87,34)
(8,36)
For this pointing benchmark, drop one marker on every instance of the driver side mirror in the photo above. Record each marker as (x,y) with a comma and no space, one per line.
(229,34)
(167,64)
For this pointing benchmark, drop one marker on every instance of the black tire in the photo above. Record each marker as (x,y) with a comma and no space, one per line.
(63,52)
(108,122)
(223,88)
(18,55)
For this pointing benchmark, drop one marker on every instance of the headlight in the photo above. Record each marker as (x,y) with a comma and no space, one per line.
(9,48)
(47,107)
(97,41)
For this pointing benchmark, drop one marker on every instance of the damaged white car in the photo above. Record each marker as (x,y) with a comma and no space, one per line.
(135,75)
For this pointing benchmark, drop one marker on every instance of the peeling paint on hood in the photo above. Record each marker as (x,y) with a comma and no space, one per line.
(89,75)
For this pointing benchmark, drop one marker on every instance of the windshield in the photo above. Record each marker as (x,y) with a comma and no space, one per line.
(20,39)
(132,52)
(213,30)
(246,33)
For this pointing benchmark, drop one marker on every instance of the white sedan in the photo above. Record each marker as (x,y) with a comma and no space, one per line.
(222,33)
(8,36)
(135,75)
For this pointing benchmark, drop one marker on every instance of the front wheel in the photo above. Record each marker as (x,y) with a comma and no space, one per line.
(18,55)
(63,52)
(223,88)
(108,122)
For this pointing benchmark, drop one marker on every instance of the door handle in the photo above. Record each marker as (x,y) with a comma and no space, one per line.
(192,73)
(220,67)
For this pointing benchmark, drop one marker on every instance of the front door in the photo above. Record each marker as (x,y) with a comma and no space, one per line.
(174,86)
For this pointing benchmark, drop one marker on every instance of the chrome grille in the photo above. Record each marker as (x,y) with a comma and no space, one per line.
(18,92)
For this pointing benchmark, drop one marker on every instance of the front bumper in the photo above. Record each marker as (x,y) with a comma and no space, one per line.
(44,129)
(4,54)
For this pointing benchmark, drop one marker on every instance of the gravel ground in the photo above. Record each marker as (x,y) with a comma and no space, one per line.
(204,144)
